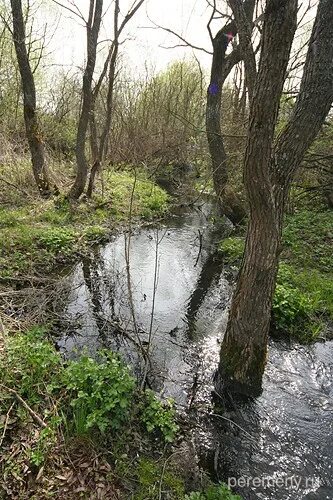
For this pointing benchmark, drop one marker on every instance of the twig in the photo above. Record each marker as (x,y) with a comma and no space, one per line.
(3,331)
(200,247)
(127,241)
(143,383)
(163,472)
(6,424)
(234,423)
(34,415)
(2,179)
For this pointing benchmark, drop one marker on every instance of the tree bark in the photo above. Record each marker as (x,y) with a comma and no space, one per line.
(220,69)
(99,151)
(268,174)
(93,26)
(244,347)
(244,27)
(32,128)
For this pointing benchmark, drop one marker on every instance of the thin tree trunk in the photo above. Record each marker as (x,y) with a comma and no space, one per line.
(220,69)
(33,131)
(93,26)
(111,63)
(109,107)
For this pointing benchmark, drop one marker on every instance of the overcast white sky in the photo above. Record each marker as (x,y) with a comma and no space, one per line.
(187,17)
(143,46)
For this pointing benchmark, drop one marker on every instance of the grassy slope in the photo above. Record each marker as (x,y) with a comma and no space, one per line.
(40,234)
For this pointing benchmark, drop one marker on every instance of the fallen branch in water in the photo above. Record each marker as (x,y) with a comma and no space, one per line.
(234,423)
(34,415)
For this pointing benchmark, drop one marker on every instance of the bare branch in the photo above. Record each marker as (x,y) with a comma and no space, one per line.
(181,38)
(75,12)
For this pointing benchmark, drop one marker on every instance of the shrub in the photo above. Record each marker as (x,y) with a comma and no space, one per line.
(232,248)
(56,239)
(95,234)
(31,362)
(159,416)
(290,306)
(101,392)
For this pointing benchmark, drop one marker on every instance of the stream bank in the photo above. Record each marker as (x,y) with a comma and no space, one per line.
(285,433)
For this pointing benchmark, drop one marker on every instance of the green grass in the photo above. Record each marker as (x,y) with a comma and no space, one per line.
(303,301)
(42,234)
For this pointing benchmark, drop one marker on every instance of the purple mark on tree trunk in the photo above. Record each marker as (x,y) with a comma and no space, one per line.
(213,88)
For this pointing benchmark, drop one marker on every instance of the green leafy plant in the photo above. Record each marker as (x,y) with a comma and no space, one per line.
(56,239)
(101,392)
(159,416)
(293,312)
(31,362)
(95,234)
(215,492)
(232,249)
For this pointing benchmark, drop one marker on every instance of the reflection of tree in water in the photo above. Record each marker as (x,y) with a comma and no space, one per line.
(209,275)
(101,293)
(101,287)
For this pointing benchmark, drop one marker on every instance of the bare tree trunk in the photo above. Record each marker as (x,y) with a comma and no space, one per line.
(243,352)
(220,69)
(213,112)
(33,132)
(268,174)
(93,26)
(99,152)
(109,105)
(244,27)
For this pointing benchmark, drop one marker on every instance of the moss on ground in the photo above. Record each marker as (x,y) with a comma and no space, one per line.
(41,234)
(303,301)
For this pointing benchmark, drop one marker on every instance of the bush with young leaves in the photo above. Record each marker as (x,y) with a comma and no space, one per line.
(101,392)
(159,416)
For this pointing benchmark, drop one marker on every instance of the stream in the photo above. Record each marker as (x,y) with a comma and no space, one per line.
(277,446)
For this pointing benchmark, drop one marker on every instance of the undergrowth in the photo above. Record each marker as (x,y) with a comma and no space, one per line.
(214,492)
(52,410)
(96,401)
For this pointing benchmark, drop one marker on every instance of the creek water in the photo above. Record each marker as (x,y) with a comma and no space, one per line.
(277,446)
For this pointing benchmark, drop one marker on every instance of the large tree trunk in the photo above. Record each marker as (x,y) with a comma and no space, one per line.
(243,352)
(33,132)
(213,113)
(93,25)
(268,173)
